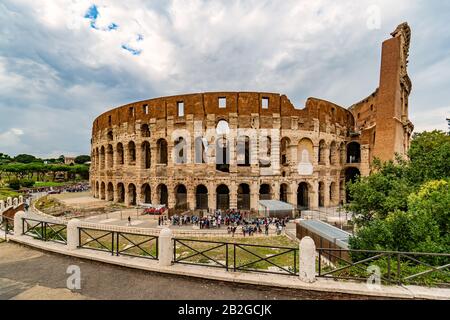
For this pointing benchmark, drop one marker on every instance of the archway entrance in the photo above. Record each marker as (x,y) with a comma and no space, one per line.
(284,192)
(265,192)
(132,194)
(243,197)
(146,193)
(302,196)
(163,195)
(121,193)
(222,197)
(110,192)
(181,197)
(353,152)
(201,197)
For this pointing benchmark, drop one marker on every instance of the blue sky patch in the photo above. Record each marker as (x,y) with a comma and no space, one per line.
(134,52)
(113,26)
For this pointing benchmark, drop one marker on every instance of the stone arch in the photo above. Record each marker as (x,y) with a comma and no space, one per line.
(102,191)
(284,151)
(110,136)
(145,131)
(102,158)
(161,148)
(120,192)
(243,151)
(110,192)
(222,154)
(146,155)
(146,194)
(303,196)
(163,194)
(353,152)
(132,194)
(181,197)
(265,192)
(131,153)
(243,197)
(334,154)
(97,190)
(305,144)
(200,150)
(201,197)
(334,193)
(109,156)
(321,153)
(120,155)
(284,191)
(321,200)
(180,150)
(265,151)
(222,197)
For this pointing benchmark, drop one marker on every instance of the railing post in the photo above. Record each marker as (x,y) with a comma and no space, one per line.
(234,257)
(226,255)
(165,247)
(73,234)
(19,223)
(307,260)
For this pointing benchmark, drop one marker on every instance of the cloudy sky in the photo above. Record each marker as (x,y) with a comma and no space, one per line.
(63,62)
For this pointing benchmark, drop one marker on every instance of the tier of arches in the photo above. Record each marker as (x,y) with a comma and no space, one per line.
(220,196)
(334,153)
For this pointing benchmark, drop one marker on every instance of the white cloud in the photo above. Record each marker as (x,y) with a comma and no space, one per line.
(57,73)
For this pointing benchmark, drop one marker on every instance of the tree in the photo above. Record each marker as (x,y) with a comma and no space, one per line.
(25,158)
(82,159)
(429,156)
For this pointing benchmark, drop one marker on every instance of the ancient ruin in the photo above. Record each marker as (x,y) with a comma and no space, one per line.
(231,149)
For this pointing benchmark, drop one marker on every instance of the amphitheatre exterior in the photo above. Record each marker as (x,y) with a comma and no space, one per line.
(231,149)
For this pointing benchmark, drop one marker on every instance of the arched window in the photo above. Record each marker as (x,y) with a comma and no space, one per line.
(334,154)
(145,131)
(180,151)
(120,157)
(131,153)
(222,197)
(109,156)
(322,150)
(146,155)
(102,158)
(200,150)
(353,152)
(222,155)
(162,151)
(243,151)
(265,152)
(109,136)
(284,152)
(302,196)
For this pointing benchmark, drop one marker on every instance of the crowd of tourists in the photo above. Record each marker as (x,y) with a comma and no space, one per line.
(232,220)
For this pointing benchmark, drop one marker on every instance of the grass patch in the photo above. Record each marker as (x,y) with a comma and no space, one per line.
(41,184)
(7,192)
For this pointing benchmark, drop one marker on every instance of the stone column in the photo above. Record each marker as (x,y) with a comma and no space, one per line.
(254,195)
(165,248)
(315,158)
(307,260)
(233,195)
(73,239)
(326,193)
(314,195)
(292,195)
(18,223)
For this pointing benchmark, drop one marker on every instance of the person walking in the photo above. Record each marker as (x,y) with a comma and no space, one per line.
(129,221)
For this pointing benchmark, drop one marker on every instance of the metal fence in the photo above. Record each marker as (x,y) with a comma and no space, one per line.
(390,267)
(236,256)
(45,231)
(119,243)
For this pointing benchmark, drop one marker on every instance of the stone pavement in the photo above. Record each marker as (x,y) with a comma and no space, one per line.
(326,287)
(26,273)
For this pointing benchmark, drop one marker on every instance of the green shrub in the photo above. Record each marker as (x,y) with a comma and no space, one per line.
(27,183)
(14,184)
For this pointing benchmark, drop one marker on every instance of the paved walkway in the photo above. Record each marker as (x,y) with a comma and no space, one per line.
(27,273)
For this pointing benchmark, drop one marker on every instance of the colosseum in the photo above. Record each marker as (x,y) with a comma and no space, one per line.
(223,150)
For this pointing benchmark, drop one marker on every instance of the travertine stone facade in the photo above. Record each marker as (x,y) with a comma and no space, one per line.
(230,149)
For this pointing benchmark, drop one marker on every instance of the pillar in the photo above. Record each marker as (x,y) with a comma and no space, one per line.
(18,223)
(307,260)
(165,248)
(73,239)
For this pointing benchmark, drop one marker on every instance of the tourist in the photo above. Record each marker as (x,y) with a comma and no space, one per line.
(129,221)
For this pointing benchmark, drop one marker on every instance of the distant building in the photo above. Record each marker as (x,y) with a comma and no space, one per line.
(69,160)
